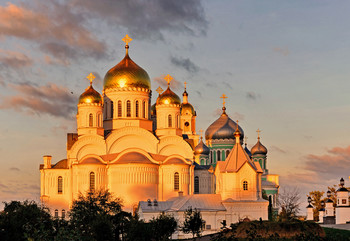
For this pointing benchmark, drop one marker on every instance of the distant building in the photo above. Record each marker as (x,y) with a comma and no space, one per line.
(143,152)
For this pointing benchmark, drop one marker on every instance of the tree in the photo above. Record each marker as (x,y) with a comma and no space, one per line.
(316,197)
(97,216)
(193,222)
(163,227)
(289,202)
(25,221)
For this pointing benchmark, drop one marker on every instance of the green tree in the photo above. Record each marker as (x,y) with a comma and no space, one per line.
(25,221)
(97,216)
(193,222)
(163,226)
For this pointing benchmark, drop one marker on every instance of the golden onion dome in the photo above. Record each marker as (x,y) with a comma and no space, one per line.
(201,148)
(223,128)
(168,98)
(127,74)
(259,148)
(187,107)
(90,96)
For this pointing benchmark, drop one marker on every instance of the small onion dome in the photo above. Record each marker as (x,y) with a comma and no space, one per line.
(153,109)
(185,93)
(223,128)
(127,74)
(201,148)
(90,96)
(168,98)
(259,148)
(342,189)
(187,107)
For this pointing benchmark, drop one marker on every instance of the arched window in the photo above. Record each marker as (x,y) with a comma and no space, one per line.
(92,182)
(219,157)
(176,181)
(137,108)
(144,109)
(245,185)
(170,123)
(211,156)
(227,152)
(91,118)
(59,185)
(196,185)
(119,108)
(56,213)
(128,109)
(63,213)
(112,109)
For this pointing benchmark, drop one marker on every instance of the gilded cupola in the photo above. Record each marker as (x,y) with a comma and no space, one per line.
(127,74)
(258,148)
(201,148)
(186,106)
(90,95)
(168,97)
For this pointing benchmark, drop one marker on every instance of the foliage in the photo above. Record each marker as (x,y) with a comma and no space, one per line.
(25,221)
(316,197)
(193,222)
(163,227)
(289,202)
(138,230)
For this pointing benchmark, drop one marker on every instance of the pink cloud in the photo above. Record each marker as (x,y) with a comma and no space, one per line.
(14,59)
(49,99)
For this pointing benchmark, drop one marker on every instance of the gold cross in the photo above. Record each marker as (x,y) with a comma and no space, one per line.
(258,131)
(223,97)
(168,79)
(90,77)
(159,90)
(201,131)
(185,83)
(127,39)
(237,125)
(245,139)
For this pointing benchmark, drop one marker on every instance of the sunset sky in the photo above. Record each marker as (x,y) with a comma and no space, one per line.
(284,65)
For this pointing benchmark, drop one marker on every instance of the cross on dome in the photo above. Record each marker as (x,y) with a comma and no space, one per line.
(201,131)
(185,83)
(258,131)
(159,90)
(90,77)
(223,97)
(245,139)
(168,79)
(127,40)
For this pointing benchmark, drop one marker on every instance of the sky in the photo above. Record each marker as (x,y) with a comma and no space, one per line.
(284,66)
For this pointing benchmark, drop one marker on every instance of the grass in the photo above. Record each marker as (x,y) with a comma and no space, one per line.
(337,234)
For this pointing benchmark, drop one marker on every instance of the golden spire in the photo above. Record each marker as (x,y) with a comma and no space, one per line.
(168,79)
(185,83)
(258,131)
(127,40)
(237,129)
(159,90)
(90,77)
(201,131)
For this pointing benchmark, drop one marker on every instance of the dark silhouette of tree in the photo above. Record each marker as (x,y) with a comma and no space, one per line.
(193,222)
(163,227)
(289,202)
(25,221)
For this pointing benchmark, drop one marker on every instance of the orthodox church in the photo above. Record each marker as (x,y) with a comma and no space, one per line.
(152,157)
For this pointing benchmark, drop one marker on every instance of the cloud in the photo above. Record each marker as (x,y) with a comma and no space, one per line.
(49,99)
(149,19)
(277,149)
(237,116)
(284,51)
(186,64)
(252,95)
(53,26)
(174,84)
(14,59)
(15,169)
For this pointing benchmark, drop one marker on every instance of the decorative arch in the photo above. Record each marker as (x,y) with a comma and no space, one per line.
(91,159)
(86,145)
(133,150)
(175,145)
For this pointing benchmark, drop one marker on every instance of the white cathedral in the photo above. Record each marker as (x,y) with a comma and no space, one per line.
(151,157)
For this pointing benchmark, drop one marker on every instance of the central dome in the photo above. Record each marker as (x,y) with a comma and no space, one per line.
(127,74)
(222,128)
(168,98)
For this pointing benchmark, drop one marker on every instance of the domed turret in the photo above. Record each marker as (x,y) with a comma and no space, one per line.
(90,96)
(127,74)
(201,149)
(168,97)
(258,148)
(223,128)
